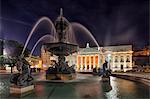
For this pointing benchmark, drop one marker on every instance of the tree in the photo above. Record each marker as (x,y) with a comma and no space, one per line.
(14,50)
(1,47)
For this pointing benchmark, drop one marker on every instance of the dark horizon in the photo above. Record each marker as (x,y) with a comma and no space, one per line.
(111,22)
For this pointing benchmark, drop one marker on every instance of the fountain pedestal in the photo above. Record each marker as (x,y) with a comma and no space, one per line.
(60,76)
(61,70)
(22,82)
(21,91)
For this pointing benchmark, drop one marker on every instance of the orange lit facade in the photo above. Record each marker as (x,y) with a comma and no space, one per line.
(87,62)
(87,59)
(35,62)
(119,58)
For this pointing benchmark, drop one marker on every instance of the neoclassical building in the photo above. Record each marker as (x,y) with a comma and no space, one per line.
(46,58)
(86,59)
(119,58)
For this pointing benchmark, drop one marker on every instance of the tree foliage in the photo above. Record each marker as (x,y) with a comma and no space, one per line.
(14,51)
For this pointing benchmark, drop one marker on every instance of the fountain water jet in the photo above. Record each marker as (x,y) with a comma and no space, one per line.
(71,35)
(48,35)
(34,28)
(80,26)
(61,48)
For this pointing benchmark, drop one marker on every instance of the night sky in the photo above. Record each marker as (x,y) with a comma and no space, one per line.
(112,22)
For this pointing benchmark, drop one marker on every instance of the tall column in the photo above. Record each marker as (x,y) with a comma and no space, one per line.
(85,63)
(94,61)
(113,60)
(130,60)
(125,65)
(119,65)
(90,63)
(81,65)
(78,63)
(99,60)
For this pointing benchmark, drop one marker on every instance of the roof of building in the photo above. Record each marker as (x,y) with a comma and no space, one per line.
(88,50)
(119,48)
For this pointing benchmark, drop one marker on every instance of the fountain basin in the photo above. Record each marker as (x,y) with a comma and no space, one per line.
(60,76)
(21,91)
(61,48)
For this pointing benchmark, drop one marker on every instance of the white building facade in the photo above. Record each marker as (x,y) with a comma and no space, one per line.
(119,58)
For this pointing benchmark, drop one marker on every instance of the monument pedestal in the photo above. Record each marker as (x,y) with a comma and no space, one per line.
(21,91)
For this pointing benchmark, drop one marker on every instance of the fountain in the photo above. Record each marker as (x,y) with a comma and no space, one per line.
(61,48)
(63,45)
(35,27)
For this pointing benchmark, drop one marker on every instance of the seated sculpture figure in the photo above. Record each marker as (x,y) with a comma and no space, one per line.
(106,71)
(23,78)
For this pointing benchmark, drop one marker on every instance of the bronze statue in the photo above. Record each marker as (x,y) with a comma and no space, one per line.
(23,78)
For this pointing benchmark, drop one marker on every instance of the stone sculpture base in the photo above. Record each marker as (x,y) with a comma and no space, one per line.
(105,79)
(21,91)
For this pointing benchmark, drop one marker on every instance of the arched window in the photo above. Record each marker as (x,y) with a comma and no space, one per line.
(127,66)
(91,66)
(122,60)
(116,58)
(128,60)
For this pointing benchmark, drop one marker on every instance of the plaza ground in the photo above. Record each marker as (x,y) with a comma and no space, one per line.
(86,87)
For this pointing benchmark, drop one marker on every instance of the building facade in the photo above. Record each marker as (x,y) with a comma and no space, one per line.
(87,59)
(119,58)
(46,58)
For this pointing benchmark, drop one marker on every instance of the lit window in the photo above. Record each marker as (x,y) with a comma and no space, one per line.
(122,60)
(116,59)
(127,59)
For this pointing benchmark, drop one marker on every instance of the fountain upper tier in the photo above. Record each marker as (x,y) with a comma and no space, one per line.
(61,47)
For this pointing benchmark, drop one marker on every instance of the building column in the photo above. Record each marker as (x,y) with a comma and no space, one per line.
(130,60)
(94,61)
(90,63)
(85,63)
(81,66)
(125,65)
(113,62)
(99,61)
(119,65)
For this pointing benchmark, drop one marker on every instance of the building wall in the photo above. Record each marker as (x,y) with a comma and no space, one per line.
(119,58)
(87,62)
(46,57)
(121,61)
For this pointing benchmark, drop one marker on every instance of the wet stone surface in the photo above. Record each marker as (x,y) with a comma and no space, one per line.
(88,88)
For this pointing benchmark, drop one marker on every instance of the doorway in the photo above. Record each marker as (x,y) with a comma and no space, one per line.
(121,67)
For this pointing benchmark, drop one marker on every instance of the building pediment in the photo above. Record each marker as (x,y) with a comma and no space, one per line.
(88,51)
